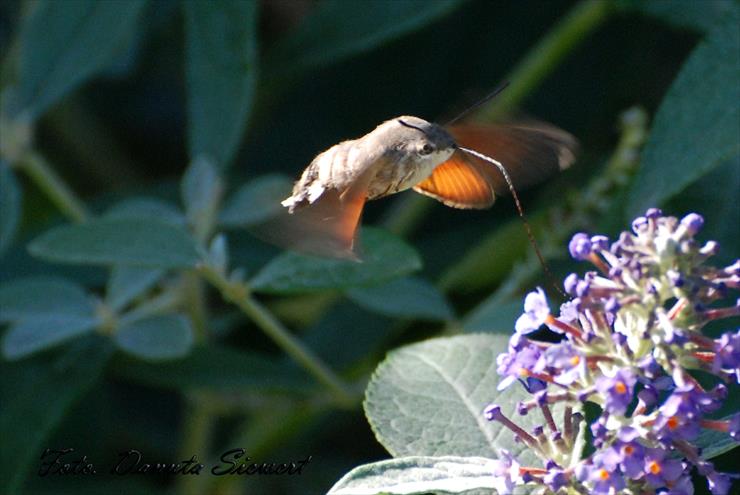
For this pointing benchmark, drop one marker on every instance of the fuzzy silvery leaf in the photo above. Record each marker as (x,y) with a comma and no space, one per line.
(428,399)
(420,475)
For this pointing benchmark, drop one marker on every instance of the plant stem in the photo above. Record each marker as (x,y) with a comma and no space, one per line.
(165,302)
(199,419)
(38,169)
(238,294)
(546,55)
(193,295)
(196,439)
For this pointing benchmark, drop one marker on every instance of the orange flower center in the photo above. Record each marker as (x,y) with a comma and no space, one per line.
(575,360)
(672,423)
(654,467)
(628,449)
(604,474)
(620,387)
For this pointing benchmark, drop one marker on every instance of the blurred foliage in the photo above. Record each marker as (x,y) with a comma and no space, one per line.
(115,336)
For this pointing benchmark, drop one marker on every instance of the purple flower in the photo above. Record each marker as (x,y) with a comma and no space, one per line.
(639,224)
(536,312)
(569,284)
(555,478)
(568,364)
(582,288)
(518,364)
(733,428)
(580,246)
(630,452)
(647,398)
(599,243)
(727,352)
(682,486)
(638,318)
(533,385)
(692,223)
(660,471)
(505,473)
(599,430)
(650,366)
(570,310)
(603,474)
(611,305)
(719,484)
(617,390)
(654,213)
(678,417)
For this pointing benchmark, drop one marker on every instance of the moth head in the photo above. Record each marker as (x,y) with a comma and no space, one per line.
(421,140)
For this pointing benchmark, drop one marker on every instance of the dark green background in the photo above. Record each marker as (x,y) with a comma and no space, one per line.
(124,132)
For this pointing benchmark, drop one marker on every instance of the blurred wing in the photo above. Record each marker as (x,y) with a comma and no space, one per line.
(458,183)
(530,152)
(326,227)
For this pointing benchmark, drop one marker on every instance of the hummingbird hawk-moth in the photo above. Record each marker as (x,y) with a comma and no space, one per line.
(323,213)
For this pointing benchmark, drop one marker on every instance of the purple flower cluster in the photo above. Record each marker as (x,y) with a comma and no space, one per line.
(630,335)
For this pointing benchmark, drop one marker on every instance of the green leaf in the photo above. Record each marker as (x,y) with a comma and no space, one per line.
(407,297)
(221,70)
(200,190)
(492,315)
(418,475)
(256,201)
(697,125)
(218,253)
(420,390)
(43,298)
(218,369)
(37,334)
(37,394)
(715,443)
(341,349)
(10,206)
(384,257)
(335,31)
(156,338)
(715,197)
(146,208)
(700,16)
(126,283)
(140,242)
(65,43)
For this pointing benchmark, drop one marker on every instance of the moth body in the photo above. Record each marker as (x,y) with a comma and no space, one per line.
(326,204)
(395,156)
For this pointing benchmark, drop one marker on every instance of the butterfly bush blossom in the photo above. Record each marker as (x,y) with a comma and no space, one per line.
(630,333)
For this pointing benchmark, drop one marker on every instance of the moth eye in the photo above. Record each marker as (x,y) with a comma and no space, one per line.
(426,149)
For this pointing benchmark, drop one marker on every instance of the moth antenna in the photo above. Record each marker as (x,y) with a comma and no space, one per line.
(410,126)
(520,210)
(490,96)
